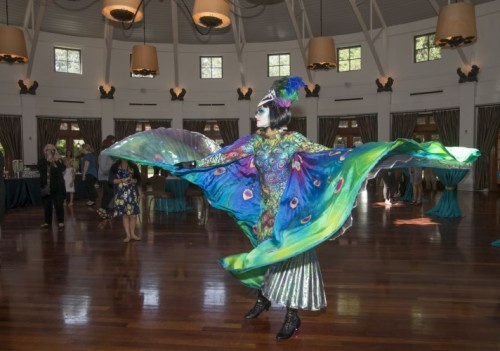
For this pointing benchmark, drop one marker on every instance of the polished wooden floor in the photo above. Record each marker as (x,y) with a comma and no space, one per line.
(397,280)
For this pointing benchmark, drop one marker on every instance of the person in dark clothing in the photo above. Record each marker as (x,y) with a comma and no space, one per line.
(51,168)
(390,185)
(105,162)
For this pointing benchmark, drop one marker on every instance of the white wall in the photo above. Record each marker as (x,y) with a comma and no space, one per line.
(396,56)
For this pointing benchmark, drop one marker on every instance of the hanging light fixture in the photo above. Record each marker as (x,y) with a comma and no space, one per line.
(456,25)
(123,10)
(144,57)
(211,13)
(321,55)
(12,44)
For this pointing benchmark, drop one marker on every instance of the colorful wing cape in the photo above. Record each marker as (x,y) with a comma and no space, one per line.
(317,202)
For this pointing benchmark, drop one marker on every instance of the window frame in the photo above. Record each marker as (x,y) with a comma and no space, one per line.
(350,133)
(68,49)
(349,60)
(211,66)
(428,48)
(279,65)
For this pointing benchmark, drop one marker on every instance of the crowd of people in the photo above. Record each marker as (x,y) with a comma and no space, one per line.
(118,179)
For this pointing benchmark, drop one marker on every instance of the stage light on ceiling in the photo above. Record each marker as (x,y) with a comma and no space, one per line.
(211,13)
(123,10)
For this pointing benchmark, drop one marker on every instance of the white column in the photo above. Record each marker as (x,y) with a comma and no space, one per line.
(177,108)
(312,118)
(467,104)
(107,115)
(244,115)
(29,130)
(384,115)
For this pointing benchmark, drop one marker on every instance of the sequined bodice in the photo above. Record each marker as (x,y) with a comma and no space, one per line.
(273,156)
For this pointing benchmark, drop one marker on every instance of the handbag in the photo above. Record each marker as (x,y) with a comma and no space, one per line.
(45,191)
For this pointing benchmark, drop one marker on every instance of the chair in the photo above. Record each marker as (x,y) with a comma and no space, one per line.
(157,191)
(193,192)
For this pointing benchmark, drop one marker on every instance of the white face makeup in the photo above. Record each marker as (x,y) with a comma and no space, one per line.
(262,117)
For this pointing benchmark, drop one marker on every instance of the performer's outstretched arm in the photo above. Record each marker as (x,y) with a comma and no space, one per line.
(228,155)
(307,145)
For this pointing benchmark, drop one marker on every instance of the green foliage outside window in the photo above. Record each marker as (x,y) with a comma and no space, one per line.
(425,50)
(278,65)
(211,67)
(67,60)
(349,59)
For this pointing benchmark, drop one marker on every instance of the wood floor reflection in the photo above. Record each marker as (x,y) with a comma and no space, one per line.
(397,280)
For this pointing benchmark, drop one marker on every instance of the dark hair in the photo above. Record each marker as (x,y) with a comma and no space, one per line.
(279,117)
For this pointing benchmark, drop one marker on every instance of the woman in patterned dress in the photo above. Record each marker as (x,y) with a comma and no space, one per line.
(295,283)
(125,177)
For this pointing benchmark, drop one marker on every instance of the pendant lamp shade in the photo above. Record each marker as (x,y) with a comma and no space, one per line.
(321,56)
(211,13)
(122,10)
(12,45)
(144,60)
(456,25)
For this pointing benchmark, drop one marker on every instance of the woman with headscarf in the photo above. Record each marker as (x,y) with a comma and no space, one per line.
(51,167)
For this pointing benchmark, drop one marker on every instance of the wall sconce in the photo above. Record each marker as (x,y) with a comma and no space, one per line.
(122,10)
(177,93)
(470,77)
(312,90)
(244,93)
(211,13)
(12,44)
(106,91)
(387,86)
(24,89)
(456,25)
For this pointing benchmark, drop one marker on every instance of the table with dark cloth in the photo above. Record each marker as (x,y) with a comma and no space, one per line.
(178,187)
(21,192)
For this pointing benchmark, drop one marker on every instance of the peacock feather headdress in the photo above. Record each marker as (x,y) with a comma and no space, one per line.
(284,92)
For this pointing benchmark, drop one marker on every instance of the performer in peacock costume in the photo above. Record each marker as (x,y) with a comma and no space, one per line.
(286,193)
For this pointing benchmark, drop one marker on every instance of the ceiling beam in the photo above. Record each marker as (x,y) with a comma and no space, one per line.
(29,14)
(108,43)
(239,38)
(298,33)
(368,37)
(461,53)
(36,34)
(175,41)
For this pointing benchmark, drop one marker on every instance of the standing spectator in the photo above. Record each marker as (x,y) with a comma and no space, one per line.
(51,168)
(390,186)
(416,181)
(89,173)
(69,176)
(430,179)
(2,190)
(126,178)
(105,162)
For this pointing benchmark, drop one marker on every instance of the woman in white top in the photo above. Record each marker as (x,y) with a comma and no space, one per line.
(69,176)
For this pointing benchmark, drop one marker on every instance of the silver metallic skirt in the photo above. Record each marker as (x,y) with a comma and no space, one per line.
(296,283)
